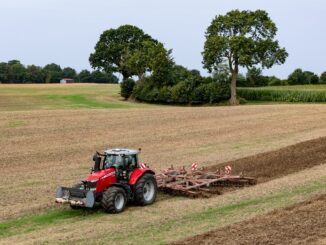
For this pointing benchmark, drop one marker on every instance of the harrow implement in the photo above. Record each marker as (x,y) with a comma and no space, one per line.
(199,183)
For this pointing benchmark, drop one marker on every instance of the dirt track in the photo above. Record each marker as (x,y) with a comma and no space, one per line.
(304,223)
(278,163)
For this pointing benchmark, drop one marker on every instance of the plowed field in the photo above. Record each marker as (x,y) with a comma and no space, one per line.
(303,223)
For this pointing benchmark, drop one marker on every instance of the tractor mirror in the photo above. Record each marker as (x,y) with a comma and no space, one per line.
(95,156)
(97,164)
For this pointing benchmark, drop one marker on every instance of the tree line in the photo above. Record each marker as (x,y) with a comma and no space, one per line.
(254,78)
(15,72)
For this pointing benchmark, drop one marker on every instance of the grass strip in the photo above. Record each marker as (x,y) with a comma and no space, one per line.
(38,221)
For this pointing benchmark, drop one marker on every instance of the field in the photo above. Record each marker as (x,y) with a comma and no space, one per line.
(46,143)
(299,93)
(70,96)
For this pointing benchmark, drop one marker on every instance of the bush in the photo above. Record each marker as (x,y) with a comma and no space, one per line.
(127,87)
(274,81)
(181,92)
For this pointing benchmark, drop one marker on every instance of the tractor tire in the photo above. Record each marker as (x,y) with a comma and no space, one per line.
(145,190)
(114,200)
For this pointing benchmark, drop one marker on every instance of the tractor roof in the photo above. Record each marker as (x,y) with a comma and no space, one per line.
(121,151)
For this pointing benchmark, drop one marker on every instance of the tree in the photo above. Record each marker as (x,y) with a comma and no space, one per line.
(127,87)
(68,72)
(242,38)
(323,77)
(16,72)
(35,74)
(299,77)
(115,47)
(3,72)
(159,63)
(103,77)
(314,79)
(84,76)
(53,73)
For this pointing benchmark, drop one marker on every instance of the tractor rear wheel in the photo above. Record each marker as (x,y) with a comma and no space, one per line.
(114,200)
(145,190)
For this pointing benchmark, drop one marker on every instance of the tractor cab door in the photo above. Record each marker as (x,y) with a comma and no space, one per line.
(130,162)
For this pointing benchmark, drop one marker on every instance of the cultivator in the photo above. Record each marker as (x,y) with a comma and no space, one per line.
(199,182)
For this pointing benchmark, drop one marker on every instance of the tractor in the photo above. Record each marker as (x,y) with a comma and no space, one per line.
(116,179)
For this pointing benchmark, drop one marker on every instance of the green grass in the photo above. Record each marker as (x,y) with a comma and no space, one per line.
(299,93)
(56,96)
(35,222)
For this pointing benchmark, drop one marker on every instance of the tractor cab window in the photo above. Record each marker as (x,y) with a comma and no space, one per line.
(130,161)
(112,161)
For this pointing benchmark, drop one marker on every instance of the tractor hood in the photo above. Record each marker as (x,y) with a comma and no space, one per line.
(95,176)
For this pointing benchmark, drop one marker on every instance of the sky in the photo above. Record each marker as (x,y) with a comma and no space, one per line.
(65,31)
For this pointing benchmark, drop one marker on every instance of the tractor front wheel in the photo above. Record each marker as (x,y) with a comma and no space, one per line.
(114,200)
(145,190)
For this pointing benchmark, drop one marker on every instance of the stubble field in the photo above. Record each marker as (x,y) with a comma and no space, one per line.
(42,148)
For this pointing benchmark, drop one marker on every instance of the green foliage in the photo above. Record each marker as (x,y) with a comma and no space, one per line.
(242,38)
(84,76)
(103,77)
(282,95)
(160,63)
(53,73)
(321,80)
(255,78)
(274,81)
(127,86)
(15,72)
(314,79)
(242,81)
(35,74)
(69,72)
(299,77)
(115,48)
(189,88)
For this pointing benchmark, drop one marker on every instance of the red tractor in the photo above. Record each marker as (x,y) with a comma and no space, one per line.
(115,179)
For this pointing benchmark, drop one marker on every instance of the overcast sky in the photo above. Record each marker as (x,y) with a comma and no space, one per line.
(66,31)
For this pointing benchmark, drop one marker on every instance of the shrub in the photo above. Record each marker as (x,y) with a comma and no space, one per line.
(127,87)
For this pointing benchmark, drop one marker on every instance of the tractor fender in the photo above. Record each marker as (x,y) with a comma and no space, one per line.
(138,173)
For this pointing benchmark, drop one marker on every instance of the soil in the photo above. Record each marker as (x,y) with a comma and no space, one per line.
(303,223)
(278,163)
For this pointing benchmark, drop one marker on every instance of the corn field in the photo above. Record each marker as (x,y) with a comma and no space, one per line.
(284,95)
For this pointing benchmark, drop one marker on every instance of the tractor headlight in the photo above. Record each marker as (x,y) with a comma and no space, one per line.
(92,185)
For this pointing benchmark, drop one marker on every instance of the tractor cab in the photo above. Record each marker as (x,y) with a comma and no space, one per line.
(124,161)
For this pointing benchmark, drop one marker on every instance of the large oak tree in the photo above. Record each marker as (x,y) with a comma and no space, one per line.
(116,46)
(242,38)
